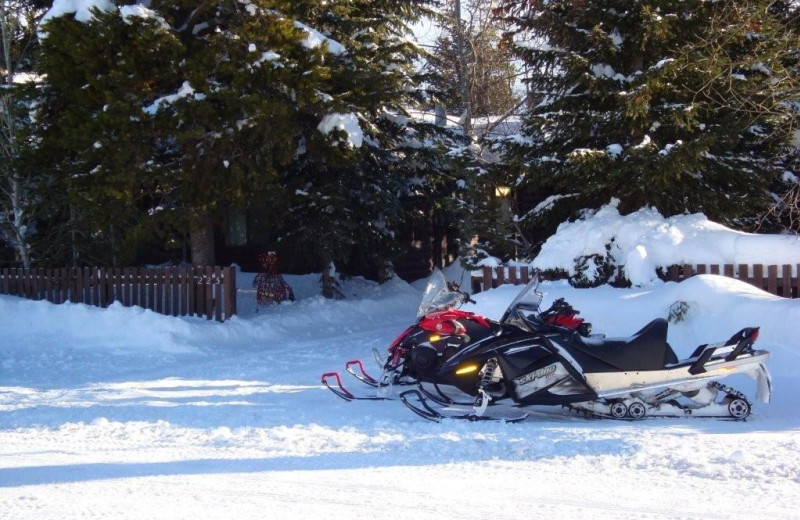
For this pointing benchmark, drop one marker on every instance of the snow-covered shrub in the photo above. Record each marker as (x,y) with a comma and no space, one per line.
(593,270)
(678,312)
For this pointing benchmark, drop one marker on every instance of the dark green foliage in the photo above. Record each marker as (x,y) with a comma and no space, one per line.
(684,106)
(156,126)
(348,202)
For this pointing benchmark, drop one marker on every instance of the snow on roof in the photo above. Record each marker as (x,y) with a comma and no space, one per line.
(645,240)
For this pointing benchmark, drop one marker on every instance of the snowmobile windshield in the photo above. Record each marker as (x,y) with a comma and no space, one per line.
(528,299)
(437,295)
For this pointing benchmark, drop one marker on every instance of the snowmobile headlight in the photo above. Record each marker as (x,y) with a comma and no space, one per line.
(434,337)
(466,369)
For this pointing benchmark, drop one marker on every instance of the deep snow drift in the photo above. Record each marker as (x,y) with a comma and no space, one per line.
(645,240)
(123,413)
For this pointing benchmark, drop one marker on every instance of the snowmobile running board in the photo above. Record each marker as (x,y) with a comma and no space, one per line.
(429,413)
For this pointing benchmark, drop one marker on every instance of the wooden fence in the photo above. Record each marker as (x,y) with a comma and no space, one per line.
(174,291)
(780,280)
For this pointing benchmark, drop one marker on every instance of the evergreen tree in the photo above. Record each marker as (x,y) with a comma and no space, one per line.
(685,106)
(160,119)
(365,164)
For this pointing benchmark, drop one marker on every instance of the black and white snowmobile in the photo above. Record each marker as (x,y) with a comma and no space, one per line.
(441,330)
(622,378)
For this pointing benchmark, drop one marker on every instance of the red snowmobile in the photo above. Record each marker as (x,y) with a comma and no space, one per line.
(441,331)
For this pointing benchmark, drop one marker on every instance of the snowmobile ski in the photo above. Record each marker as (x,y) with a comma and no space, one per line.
(362,374)
(421,407)
(340,391)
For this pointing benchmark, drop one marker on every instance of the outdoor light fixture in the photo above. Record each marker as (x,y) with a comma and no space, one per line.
(502,191)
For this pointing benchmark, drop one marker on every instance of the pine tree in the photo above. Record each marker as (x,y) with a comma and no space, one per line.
(161,119)
(365,164)
(684,106)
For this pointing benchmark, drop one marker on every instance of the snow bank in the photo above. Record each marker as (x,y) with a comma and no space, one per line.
(645,240)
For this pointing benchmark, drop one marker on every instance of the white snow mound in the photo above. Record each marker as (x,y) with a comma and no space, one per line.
(645,240)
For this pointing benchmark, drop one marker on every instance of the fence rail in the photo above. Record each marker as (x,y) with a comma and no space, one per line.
(780,280)
(174,291)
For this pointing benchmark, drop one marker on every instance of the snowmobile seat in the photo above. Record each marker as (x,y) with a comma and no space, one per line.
(647,349)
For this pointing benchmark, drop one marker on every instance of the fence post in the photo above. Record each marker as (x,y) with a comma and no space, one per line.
(209,292)
(743,273)
(772,279)
(184,275)
(797,280)
(200,293)
(191,302)
(77,273)
(218,290)
(526,276)
(133,275)
(728,270)
(150,280)
(758,276)
(35,285)
(488,282)
(26,277)
(176,290)
(672,273)
(786,281)
(229,277)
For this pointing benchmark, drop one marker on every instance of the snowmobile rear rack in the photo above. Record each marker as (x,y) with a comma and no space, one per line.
(738,343)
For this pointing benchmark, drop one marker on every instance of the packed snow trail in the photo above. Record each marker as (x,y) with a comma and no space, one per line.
(122,413)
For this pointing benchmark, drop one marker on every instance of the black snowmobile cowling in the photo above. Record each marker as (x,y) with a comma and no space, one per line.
(630,377)
(441,331)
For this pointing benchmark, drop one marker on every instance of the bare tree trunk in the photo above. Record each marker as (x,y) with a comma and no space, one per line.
(11,184)
(330,287)
(202,242)
(463,79)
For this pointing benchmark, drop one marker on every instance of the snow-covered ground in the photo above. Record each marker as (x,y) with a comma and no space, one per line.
(123,413)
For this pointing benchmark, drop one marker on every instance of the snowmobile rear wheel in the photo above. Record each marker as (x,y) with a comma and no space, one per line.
(618,410)
(637,410)
(738,408)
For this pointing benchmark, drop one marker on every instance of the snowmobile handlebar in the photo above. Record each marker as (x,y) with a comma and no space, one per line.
(465,296)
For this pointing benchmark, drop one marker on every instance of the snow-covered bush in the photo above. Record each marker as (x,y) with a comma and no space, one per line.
(642,242)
